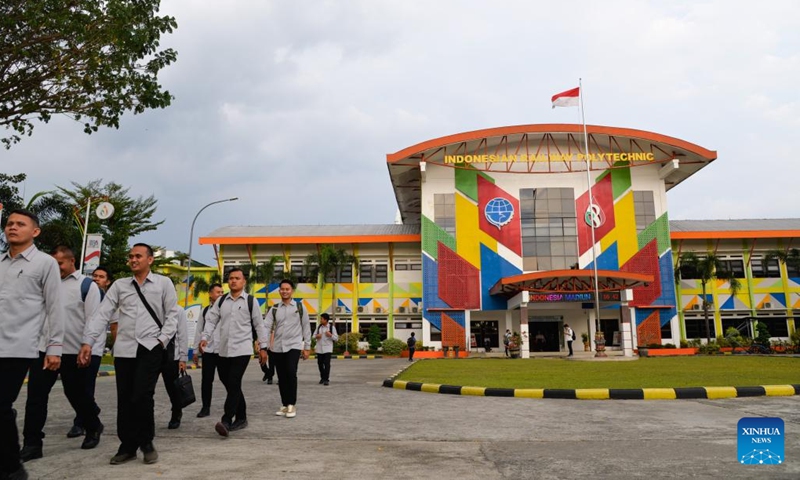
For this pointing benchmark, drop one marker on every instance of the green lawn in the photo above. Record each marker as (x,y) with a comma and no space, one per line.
(697,371)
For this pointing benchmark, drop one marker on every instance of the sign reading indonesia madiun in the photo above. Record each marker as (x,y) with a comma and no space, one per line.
(552,157)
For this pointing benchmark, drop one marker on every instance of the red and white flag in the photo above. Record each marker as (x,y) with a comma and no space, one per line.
(567,99)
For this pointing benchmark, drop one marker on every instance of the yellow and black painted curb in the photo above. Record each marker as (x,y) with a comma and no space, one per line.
(681,393)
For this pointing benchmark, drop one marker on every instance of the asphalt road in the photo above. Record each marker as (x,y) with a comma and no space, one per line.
(356,429)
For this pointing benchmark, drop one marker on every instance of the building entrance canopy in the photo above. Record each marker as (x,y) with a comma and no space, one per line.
(569,282)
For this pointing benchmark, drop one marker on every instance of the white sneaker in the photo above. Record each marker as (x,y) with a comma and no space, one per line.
(291,411)
(282,412)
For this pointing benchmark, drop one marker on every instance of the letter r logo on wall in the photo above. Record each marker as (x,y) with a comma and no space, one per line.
(760,441)
(594,216)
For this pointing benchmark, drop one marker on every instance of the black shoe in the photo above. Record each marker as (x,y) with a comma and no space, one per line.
(325,383)
(223,428)
(92,438)
(18,474)
(76,432)
(175,421)
(269,381)
(29,453)
(204,412)
(238,424)
(321,381)
(122,457)
(150,454)
(265,378)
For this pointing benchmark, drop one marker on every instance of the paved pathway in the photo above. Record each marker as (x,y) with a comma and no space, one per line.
(357,429)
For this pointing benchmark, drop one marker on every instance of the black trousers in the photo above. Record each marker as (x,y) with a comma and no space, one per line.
(324,364)
(169,373)
(91,381)
(269,367)
(136,385)
(569,344)
(40,383)
(12,375)
(411,353)
(286,368)
(210,362)
(231,371)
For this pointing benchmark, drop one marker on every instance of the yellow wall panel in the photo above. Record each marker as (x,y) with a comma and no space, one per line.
(469,236)
(625,228)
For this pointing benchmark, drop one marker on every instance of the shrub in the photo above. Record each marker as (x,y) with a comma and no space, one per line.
(762,334)
(351,340)
(684,344)
(795,338)
(723,341)
(374,337)
(393,346)
(695,343)
(655,345)
(709,349)
(669,345)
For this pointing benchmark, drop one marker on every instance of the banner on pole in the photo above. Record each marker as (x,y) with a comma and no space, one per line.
(91,260)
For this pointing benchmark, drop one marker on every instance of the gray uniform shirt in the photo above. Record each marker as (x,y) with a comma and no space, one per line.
(235,325)
(325,343)
(213,341)
(135,325)
(76,313)
(291,331)
(182,338)
(30,290)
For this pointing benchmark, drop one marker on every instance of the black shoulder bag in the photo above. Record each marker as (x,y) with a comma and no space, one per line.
(183,384)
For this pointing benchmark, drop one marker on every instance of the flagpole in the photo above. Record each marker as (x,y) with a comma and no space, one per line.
(590,210)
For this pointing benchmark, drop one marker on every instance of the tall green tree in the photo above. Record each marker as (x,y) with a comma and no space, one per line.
(705,269)
(132,217)
(9,193)
(89,60)
(791,257)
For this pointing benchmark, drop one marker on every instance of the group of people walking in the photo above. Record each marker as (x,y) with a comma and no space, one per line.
(55,321)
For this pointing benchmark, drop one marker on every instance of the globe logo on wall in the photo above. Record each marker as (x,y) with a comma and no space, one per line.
(594,216)
(499,212)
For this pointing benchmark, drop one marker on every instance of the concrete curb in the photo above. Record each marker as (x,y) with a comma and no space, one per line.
(682,393)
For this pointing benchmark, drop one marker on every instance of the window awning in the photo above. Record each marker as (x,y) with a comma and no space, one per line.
(569,281)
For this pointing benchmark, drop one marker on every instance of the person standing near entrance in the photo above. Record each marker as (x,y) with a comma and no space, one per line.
(148,320)
(80,297)
(568,338)
(290,338)
(235,315)
(210,357)
(412,346)
(326,335)
(507,340)
(30,290)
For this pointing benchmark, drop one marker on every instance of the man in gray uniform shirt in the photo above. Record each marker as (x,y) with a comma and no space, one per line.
(290,338)
(210,357)
(80,297)
(148,319)
(30,289)
(235,315)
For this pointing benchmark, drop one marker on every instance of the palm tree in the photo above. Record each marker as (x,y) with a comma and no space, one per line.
(327,263)
(705,269)
(200,284)
(261,272)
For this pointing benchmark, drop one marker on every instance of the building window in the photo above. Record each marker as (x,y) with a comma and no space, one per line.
(644,208)
(436,334)
(549,228)
(444,212)
(696,327)
(762,269)
(666,330)
(733,266)
(373,271)
(346,274)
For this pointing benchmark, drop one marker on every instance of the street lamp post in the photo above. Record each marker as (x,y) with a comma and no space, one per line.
(191,239)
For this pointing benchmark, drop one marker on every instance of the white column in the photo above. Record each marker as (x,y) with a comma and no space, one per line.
(467,331)
(628,330)
(525,348)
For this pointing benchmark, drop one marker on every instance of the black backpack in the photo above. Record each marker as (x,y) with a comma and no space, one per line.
(86,284)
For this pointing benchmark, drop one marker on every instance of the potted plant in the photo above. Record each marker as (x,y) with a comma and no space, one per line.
(514,345)
(644,350)
(586,346)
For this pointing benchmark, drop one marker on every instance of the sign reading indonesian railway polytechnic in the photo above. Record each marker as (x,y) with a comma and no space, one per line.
(552,157)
